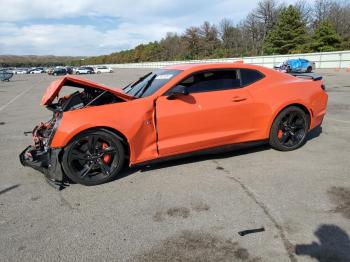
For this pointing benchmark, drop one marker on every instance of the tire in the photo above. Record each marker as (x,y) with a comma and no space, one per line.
(77,73)
(289,129)
(86,162)
(309,69)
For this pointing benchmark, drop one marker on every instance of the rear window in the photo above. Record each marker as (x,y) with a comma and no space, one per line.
(249,76)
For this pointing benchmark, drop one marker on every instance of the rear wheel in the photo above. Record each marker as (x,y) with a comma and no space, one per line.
(93,157)
(309,69)
(289,129)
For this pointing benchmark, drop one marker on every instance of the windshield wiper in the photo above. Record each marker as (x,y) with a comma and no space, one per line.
(146,86)
(132,84)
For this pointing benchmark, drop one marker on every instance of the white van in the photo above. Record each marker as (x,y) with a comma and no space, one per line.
(103,69)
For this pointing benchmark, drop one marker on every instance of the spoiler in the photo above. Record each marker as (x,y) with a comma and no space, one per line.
(312,76)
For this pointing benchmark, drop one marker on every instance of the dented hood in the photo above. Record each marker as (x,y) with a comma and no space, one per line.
(53,90)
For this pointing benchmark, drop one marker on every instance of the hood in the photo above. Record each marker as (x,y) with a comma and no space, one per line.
(53,90)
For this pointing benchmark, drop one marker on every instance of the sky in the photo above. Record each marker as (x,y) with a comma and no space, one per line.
(93,27)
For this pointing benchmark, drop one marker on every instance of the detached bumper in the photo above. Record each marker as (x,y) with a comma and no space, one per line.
(44,161)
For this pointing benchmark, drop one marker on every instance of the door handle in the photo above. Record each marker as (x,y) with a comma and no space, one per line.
(239,99)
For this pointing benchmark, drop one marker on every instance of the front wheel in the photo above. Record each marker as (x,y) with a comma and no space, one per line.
(93,157)
(289,129)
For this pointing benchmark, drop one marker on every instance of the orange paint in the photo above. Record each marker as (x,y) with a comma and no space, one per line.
(155,126)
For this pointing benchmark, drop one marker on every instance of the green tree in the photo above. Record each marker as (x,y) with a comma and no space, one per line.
(289,35)
(325,38)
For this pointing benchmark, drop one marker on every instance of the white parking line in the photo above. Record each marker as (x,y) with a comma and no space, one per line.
(15,98)
(338,120)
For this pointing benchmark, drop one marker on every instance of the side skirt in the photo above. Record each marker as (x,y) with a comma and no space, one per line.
(207,151)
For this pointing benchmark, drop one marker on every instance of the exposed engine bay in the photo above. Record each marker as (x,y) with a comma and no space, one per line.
(81,99)
(43,132)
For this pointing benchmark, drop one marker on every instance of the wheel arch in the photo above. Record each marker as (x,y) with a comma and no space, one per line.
(120,135)
(303,107)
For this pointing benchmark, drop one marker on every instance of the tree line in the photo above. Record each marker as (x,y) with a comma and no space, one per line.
(272,27)
(34,60)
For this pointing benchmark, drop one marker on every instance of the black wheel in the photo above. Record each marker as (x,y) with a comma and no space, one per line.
(93,157)
(309,69)
(289,129)
(77,73)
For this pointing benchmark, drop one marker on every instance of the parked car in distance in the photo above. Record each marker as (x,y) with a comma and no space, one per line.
(5,74)
(84,70)
(58,71)
(177,110)
(38,70)
(69,70)
(21,71)
(103,69)
(298,65)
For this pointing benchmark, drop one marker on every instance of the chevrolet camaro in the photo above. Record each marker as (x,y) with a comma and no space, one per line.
(175,111)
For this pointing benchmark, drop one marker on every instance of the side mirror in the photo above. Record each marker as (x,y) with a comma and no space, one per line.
(176,91)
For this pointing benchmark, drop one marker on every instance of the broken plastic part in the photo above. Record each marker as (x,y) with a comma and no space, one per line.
(251,231)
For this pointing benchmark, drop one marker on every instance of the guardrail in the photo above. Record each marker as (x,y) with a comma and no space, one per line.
(339,59)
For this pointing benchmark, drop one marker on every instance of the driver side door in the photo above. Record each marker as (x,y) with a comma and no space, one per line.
(217,111)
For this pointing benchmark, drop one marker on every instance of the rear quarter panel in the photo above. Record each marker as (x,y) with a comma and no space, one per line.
(278,91)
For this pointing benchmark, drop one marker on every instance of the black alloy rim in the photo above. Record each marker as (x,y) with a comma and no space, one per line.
(93,158)
(292,129)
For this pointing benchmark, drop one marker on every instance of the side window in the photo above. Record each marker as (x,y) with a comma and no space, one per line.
(250,76)
(212,81)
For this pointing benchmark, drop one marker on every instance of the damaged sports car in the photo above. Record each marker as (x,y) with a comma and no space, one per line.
(175,111)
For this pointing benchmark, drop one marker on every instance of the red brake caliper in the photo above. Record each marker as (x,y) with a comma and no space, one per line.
(280,134)
(106,158)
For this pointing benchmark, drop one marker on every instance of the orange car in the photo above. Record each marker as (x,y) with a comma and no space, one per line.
(174,111)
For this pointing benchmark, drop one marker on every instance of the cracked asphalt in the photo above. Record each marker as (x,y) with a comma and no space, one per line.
(185,210)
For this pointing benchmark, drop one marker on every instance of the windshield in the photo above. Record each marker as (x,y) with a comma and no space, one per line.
(150,83)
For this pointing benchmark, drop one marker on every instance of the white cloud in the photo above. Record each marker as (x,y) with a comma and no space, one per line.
(75,39)
(25,26)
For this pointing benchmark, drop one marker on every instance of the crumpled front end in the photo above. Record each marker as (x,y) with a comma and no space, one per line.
(40,156)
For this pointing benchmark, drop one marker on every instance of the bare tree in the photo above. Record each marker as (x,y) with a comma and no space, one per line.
(305,10)
(339,16)
(322,10)
(267,12)
(260,22)
(337,12)
(173,47)
(209,38)
(254,33)
(192,38)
